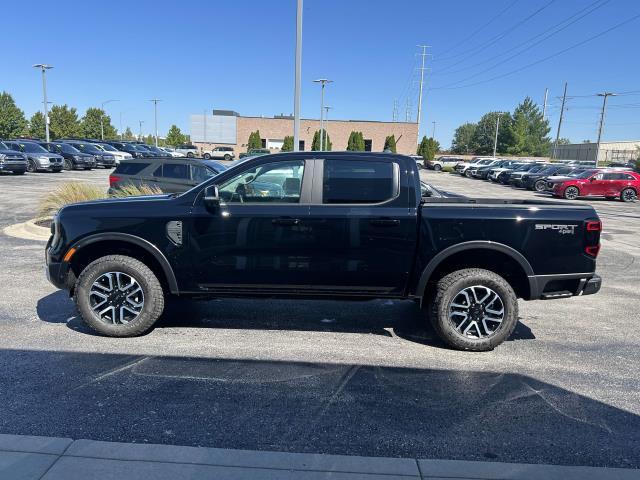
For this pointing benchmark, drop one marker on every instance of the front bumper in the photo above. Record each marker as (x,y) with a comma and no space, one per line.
(58,273)
(13,167)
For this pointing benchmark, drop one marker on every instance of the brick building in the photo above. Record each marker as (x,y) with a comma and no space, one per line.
(228,128)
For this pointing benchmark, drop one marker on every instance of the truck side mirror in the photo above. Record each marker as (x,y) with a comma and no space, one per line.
(211,197)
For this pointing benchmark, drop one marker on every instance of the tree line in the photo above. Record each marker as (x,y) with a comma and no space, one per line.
(523,132)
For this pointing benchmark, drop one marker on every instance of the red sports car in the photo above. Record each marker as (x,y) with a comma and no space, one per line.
(611,184)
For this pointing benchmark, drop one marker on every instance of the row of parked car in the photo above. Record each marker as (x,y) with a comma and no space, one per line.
(22,155)
(569,180)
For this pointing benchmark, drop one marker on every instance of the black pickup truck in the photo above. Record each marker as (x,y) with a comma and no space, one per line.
(328,225)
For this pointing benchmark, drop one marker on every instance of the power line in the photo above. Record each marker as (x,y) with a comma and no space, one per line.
(479,29)
(544,59)
(571,19)
(497,38)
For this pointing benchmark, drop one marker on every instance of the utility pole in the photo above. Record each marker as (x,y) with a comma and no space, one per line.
(495,141)
(298,76)
(433,132)
(326,116)
(395,110)
(323,82)
(605,95)
(407,112)
(44,67)
(121,133)
(555,144)
(423,55)
(544,105)
(155,112)
(204,119)
(102,117)
(140,135)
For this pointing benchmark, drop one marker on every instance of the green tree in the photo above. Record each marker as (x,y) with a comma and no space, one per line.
(527,131)
(149,140)
(463,137)
(255,140)
(128,134)
(36,125)
(287,145)
(90,124)
(12,120)
(564,141)
(63,122)
(484,135)
(175,136)
(390,144)
(315,144)
(428,148)
(355,142)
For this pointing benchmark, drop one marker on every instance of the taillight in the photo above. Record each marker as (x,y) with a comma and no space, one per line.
(592,250)
(594,226)
(592,237)
(113,179)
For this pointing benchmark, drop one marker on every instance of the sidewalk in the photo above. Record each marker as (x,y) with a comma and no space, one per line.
(31,458)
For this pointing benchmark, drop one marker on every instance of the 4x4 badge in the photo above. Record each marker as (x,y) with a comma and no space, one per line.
(562,229)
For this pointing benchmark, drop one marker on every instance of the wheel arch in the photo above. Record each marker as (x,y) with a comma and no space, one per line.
(494,256)
(101,244)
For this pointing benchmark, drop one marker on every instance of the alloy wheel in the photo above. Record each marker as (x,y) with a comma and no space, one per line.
(67,164)
(571,193)
(116,298)
(628,195)
(539,186)
(476,312)
(31,166)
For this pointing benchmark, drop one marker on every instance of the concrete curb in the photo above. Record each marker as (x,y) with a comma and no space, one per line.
(46,458)
(28,231)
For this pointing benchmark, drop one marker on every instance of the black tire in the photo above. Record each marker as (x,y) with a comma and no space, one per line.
(227,157)
(540,186)
(190,154)
(628,195)
(207,156)
(571,193)
(467,173)
(31,166)
(437,167)
(153,301)
(449,287)
(67,164)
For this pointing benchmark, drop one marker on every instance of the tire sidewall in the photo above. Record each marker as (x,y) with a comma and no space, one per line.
(542,184)
(571,189)
(625,200)
(152,291)
(446,329)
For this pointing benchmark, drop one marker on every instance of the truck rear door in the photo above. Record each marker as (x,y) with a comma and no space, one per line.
(362,226)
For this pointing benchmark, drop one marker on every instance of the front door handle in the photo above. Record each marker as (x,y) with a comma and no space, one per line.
(286,221)
(385,222)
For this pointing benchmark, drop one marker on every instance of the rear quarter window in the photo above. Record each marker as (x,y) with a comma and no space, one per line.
(130,168)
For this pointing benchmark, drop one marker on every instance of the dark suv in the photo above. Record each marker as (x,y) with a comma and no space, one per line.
(12,160)
(171,175)
(102,158)
(73,158)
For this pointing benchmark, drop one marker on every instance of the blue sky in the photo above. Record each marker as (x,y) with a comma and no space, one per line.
(239,55)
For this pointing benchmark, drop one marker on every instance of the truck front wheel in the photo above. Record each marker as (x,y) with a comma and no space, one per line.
(473,309)
(119,296)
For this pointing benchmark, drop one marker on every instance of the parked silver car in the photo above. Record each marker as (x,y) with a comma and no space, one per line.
(38,157)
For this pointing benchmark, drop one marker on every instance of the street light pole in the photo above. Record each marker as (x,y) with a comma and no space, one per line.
(298,76)
(102,117)
(433,132)
(140,135)
(155,112)
(605,95)
(495,141)
(44,67)
(322,82)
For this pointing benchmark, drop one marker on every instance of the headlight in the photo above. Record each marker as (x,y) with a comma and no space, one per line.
(77,157)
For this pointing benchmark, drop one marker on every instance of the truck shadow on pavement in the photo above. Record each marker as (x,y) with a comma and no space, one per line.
(310,407)
(379,317)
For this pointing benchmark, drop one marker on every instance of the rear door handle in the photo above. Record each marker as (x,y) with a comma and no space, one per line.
(385,222)
(286,221)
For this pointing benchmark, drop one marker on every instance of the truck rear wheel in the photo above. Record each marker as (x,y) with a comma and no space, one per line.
(473,309)
(119,296)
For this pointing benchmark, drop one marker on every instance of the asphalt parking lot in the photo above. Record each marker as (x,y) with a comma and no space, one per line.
(364,378)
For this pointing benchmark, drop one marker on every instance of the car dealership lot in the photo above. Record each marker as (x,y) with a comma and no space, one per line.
(349,378)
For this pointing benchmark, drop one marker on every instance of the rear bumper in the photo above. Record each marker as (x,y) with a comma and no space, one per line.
(550,287)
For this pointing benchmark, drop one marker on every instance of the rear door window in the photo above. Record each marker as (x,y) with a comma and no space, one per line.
(176,170)
(130,168)
(357,181)
(200,173)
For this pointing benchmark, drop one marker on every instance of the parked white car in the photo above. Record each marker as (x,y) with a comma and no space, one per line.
(463,168)
(172,152)
(219,153)
(117,154)
(443,162)
(188,150)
